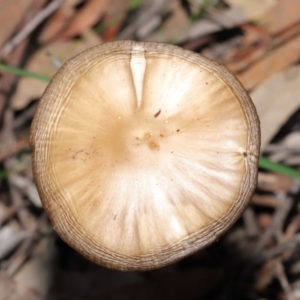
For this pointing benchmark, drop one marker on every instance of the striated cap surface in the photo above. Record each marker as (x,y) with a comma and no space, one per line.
(143,153)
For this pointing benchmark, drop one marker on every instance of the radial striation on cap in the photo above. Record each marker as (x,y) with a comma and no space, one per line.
(143,153)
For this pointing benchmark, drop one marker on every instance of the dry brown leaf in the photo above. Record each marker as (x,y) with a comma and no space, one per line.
(253,9)
(85,18)
(292,141)
(9,290)
(281,15)
(275,61)
(11,235)
(173,28)
(58,21)
(277,44)
(264,220)
(148,11)
(274,182)
(11,14)
(27,187)
(30,89)
(265,200)
(114,17)
(264,275)
(217,20)
(7,287)
(36,275)
(3,212)
(275,100)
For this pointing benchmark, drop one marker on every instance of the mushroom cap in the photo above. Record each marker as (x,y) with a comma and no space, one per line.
(143,153)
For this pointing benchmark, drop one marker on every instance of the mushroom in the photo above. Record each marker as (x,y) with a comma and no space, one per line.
(143,153)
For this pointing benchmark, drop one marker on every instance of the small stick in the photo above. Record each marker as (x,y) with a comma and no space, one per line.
(13,209)
(280,248)
(250,222)
(280,273)
(18,258)
(28,28)
(12,149)
(275,229)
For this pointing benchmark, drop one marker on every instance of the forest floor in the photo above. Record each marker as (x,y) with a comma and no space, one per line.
(258,41)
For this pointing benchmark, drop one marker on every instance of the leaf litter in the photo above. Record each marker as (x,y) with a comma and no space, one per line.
(259,42)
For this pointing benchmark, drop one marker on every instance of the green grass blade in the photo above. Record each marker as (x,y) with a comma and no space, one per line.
(24,73)
(267,164)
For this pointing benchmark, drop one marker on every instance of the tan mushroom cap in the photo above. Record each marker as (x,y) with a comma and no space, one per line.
(143,153)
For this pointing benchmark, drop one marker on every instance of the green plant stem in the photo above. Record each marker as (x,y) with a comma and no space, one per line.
(269,165)
(24,73)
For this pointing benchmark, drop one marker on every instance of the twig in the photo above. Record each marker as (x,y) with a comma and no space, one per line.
(11,235)
(9,138)
(13,209)
(276,224)
(250,222)
(280,272)
(29,27)
(26,187)
(22,212)
(13,149)
(264,200)
(8,80)
(148,11)
(15,58)
(255,259)
(292,228)
(24,117)
(18,258)
(277,250)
